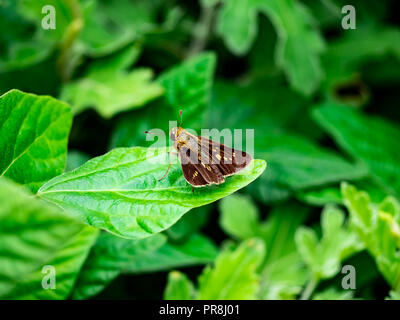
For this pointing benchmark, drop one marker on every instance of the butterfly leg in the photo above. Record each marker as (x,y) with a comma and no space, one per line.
(169,166)
(192,189)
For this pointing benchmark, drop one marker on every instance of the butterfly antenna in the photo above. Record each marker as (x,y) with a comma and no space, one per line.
(180,112)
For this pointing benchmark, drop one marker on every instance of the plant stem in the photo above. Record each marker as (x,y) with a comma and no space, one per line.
(202,30)
(66,47)
(308,291)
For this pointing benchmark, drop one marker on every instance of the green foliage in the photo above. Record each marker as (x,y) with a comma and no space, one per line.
(315,101)
(337,243)
(374,141)
(33,137)
(190,223)
(75,159)
(239,216)
(237,24)
(188,86)
(33,236)
(234,271)
(178,287)
(299,43)
(110,89)
(195,250)
(378,226)
(332,294)
(109,256)
(283,273)
(117,192)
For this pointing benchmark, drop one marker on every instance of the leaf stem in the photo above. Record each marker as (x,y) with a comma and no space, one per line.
(71,34)
(202,30)
(309,289)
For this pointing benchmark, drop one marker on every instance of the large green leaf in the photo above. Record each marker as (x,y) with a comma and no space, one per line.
(109,88)
(33,137)
(120,191)
(374,141)
(234,275)
(109,256)
(195,250)
(35,235)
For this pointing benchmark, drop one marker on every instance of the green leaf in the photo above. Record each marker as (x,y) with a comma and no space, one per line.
(283,278)
(299,43)
(109,256)
(342,62)
(110,89)
(291,161)
(234,275)
(283,274)
(333,294)
(188,86)
(330,194)
(338,242)
(237,25)
(179,287)
(320,196)
(378,227)
(33,236)
(120,192)
(190,223)
(393,295)
(64,15)
(110,25)
(239,216)
(20,45)
(33,137)
(195,250)
(374,141)
(209,3)
(291,157)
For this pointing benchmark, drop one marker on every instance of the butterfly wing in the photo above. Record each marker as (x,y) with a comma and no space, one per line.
(206,162)
(228,161)
(197,173)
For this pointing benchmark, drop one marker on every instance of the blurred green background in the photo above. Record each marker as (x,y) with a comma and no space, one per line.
(324,104)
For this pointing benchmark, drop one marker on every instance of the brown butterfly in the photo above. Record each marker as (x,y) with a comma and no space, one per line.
(203,161)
